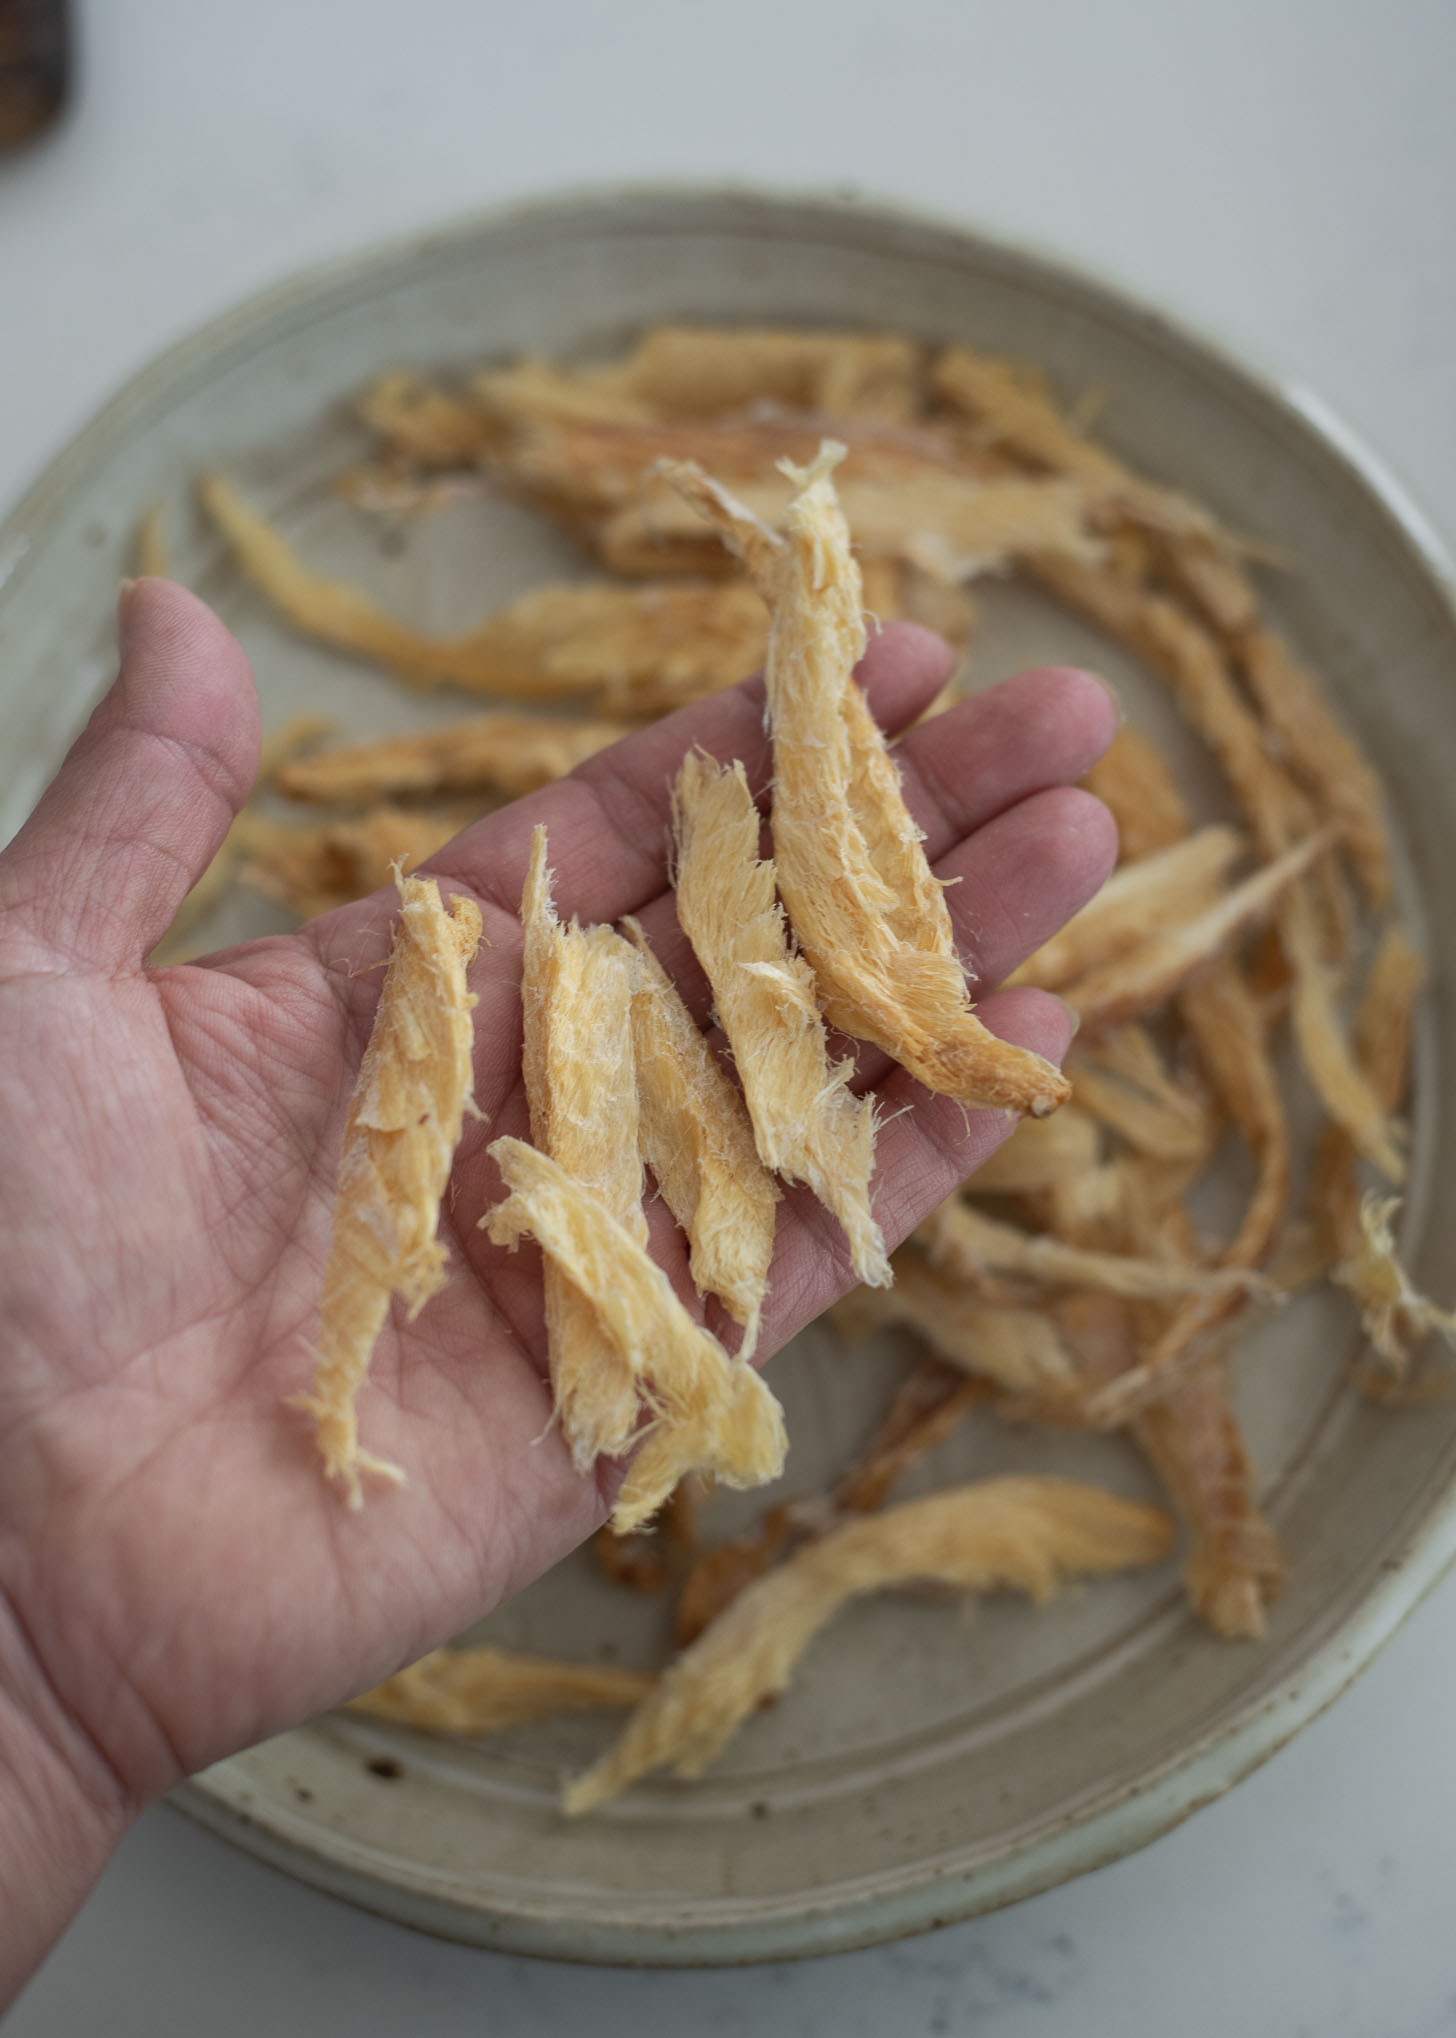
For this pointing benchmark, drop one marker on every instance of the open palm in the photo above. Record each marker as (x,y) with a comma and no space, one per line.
(176,1580)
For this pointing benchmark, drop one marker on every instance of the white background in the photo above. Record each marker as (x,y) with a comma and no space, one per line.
(1282,171)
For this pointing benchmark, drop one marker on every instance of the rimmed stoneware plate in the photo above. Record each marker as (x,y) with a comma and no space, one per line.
(927,1764)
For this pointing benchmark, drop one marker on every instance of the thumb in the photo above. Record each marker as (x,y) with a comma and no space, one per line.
(146,793)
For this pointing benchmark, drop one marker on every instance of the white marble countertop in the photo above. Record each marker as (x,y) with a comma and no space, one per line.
(1279,170)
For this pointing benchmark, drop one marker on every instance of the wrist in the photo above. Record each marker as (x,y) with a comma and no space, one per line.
(63,1811)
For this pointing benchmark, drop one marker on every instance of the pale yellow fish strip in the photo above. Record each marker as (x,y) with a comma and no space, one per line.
(481,1691)
(400,1137)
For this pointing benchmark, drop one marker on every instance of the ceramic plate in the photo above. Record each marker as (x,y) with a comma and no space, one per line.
(927,1764)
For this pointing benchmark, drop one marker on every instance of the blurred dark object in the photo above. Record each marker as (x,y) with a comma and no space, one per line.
(35,67)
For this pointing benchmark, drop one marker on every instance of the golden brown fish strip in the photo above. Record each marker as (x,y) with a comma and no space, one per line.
(1134,779)
(1194,666)
(1235,1566)
(533,392)
(708,1412)
(581,1084)
(1015,413)
(400,1137)
(320,865)
(1159,892)
(480,1691)
(424,422)
(1396,1315)
(635,650)
(697,1138)
(951,527)
(1382,1035)
(1228,1033)
(930,1404)
(1027,1533)
(1322,754)
(967,1244)
(1016,1348)
(720,1574)
(869,915)
(1144,978)
(505,753)
(807,1125)
(1217,587)
(1169,1122)
(1039,1152)
(698,371)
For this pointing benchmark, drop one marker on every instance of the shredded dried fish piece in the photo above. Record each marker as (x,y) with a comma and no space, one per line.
(425,423)
(400,1137)
(634,650)
(1016,1348)
(951,527)
(807,1125)
(720,1574)
(1382,1038)
(533,392)
(707,1412)
(1161,891)
(1396,1315)
(480,1691)
(1135,780)
(967,1244)
(697,1138)
(1228,1033)
(581,1084)
(1025,1533)
(1321,754)
(1145,977)
(1018,415)
(930,1404)
(1235,1566)
(1039,1152)
(867,911)
(316,867)
(698,371)
(511,754)
(1120,1082)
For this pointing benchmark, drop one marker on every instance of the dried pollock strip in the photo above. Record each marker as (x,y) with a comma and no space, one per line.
(511,754)
(968,1245)
(1235,1566)
(1024,1533)
(1322,754)
(151,552)
(1229,1035)
(325,864)
(581,1083)
(402,1130)
(707,1412)
(481,1691)
(1396,1315)
(1040,1153)
(807,1125)
(1018,1349)
(1134,779)
(697,1138)
(697,371)
(870,917)
(636,650)
(424,423)
(1145,977)
(1382,1035)
(951,527)
(1161,891)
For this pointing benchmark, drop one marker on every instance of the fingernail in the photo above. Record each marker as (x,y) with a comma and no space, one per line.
(124,595)
(1116,698)
(1074,1018)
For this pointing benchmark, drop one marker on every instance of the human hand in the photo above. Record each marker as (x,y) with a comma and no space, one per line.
(176,1579)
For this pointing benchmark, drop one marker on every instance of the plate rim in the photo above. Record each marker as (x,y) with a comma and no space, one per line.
(1130,1815)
